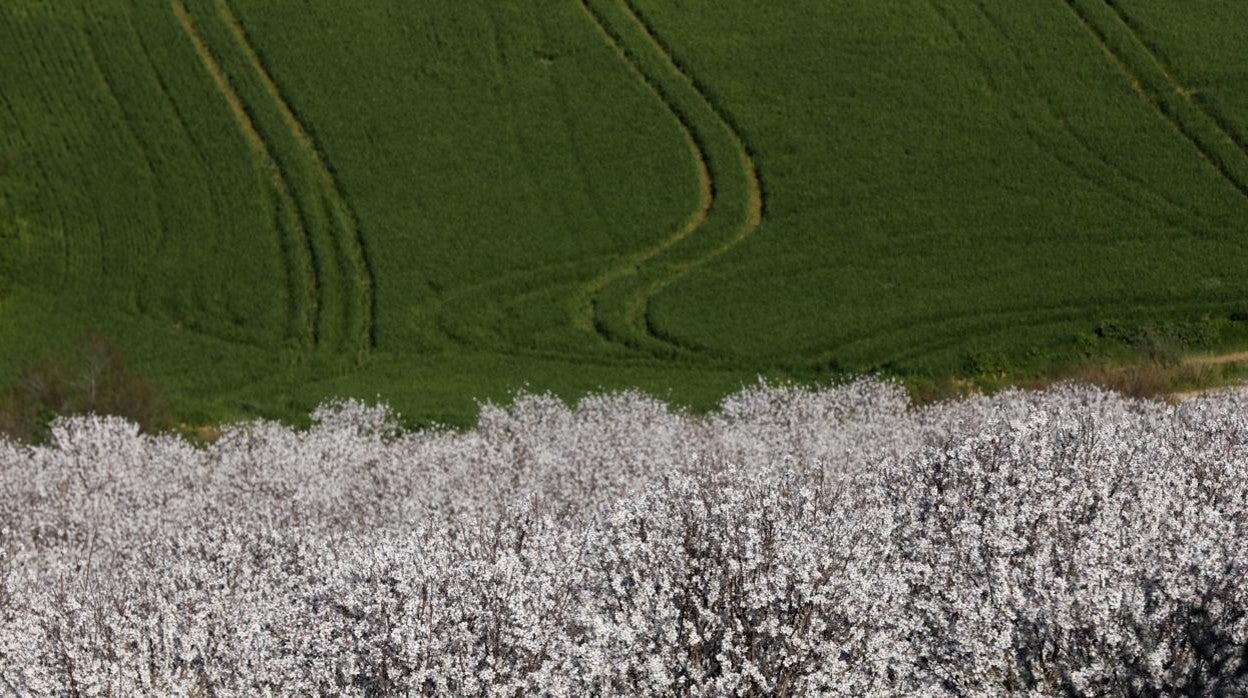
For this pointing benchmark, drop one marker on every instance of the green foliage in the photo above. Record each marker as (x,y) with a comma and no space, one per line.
(446,201)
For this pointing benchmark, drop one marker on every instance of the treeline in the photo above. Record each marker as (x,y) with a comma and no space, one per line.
(836,542)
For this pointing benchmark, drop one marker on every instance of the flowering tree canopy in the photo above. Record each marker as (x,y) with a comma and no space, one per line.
(798,542)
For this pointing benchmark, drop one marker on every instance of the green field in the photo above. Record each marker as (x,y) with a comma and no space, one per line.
(265,203)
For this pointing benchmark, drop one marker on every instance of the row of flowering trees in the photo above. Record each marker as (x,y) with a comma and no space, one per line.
(798,542)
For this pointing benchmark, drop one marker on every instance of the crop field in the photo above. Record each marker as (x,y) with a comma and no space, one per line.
(265,203)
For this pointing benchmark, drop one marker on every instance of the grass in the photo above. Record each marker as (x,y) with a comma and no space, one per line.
(986,178)
(444,203)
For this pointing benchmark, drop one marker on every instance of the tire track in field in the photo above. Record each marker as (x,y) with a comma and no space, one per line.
(1154,81)
(301,280)
(1223,129)
(73,264)
(445,313)
(1026,316)
(1131,190)
(705,129)
(587,312)
(1149,195)
(348,239)
(1169,72)
(514,287)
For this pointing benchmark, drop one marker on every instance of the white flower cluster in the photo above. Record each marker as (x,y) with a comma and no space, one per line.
(799,542)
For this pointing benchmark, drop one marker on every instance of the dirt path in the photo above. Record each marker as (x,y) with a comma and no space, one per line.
(1207,361)
(1217,359)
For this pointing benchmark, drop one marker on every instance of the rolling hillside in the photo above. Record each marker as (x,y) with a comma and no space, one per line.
(264,203)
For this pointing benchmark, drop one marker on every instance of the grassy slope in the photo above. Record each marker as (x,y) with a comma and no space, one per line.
(122,176)
(493,160)
(946,179)
(510,141)
(1202,49)
(442,201)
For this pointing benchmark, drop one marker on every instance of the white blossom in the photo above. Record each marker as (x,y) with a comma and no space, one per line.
(797,542)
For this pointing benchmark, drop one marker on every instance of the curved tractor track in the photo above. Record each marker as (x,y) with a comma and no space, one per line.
(331,289)
(616,303)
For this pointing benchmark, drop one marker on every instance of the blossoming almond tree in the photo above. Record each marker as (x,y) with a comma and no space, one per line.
(799,542)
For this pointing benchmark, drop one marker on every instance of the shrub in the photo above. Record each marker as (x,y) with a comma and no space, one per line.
(93,379)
